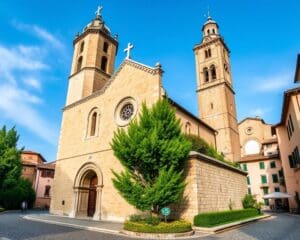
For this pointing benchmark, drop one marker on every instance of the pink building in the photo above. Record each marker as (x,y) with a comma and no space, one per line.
(288,132)
(40,174)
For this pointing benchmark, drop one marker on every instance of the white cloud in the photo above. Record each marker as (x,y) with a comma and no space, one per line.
(278,81)
(16,59)
(19,67)
(33,82)
(40,33)
(18,105)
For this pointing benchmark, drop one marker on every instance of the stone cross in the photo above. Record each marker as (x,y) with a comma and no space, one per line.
(128,49)
(98,12)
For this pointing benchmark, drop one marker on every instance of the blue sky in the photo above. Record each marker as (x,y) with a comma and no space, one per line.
(36,50)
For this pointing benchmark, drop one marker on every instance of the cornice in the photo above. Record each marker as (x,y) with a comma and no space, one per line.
(90,68)
(206,44)
(217,84)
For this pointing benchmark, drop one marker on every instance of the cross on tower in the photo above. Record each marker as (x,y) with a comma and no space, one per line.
(128,49)
(98,12)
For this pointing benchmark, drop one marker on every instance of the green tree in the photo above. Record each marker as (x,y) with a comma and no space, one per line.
(153,151)
(13,188)
(10,156)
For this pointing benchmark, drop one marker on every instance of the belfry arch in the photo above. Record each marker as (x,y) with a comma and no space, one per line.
(87,191)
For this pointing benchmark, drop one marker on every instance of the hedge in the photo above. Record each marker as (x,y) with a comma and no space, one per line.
(163,227)
(217,218)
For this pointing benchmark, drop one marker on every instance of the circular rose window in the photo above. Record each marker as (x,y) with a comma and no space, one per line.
(125,111)
(249,130)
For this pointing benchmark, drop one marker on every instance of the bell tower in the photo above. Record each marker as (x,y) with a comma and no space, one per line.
(93,59)
(216,96)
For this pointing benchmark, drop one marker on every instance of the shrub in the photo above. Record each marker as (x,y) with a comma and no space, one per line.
(15,192)
(1,209)
(163,227)
(249,201)
(151,220)
(217,218)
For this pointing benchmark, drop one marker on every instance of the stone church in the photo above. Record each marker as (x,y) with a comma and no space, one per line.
(101,99)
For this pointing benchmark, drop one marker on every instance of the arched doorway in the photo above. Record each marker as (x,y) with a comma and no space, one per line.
(91,182)
(87,192)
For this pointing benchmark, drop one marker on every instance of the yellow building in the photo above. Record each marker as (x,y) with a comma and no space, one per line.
(288,132)
(101,99)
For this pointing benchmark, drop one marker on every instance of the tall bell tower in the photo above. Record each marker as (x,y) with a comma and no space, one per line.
(93,59)
(216,96)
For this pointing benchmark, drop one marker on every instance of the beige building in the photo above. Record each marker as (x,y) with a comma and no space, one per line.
(215,90)
(40,174)
(260,158)
(101,99)
(288,132)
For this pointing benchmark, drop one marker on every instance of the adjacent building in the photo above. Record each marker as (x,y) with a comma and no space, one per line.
(288,132)
(40,174)
(261,159)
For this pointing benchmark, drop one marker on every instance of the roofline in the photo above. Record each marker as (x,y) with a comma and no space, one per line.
(286,97)
(253,118)
(297,71)
(191,114)
(35,153)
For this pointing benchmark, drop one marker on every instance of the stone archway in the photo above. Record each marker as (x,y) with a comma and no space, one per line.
(87,188)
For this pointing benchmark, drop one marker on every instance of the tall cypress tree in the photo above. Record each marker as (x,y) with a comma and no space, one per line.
(153,152)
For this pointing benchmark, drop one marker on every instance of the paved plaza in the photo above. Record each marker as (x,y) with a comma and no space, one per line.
(13,226)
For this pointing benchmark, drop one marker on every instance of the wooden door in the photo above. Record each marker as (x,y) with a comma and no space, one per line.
(92,197)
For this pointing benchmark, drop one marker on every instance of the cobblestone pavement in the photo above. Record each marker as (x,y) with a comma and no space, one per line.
(14,227)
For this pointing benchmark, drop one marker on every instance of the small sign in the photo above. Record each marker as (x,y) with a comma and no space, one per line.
(165,211)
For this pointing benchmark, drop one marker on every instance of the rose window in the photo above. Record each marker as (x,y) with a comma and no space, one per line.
(126,112)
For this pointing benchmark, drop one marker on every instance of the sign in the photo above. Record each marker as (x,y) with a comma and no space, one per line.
(165,211)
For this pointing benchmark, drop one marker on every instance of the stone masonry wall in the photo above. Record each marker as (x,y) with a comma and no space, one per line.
(211,186)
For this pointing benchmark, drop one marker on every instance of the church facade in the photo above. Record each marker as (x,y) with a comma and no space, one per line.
(101,99)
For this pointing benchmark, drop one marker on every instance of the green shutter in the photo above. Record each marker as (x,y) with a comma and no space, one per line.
(275,178)
(248,180)
(273,164)
(266,190)
(245,168)
(261,165)
(263,179)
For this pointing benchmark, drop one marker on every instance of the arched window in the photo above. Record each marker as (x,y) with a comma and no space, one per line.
(213,72)
(79,63)
(209,52)
(103,63)
(206,74)
(187,128)
(206,54)
(93,124)
(213,31)
(208,32)
(81,47)
(105,47)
